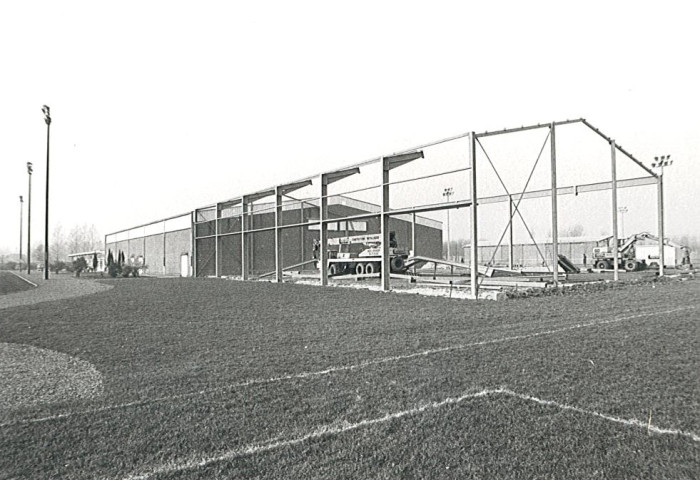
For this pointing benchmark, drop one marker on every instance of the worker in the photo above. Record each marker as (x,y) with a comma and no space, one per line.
(686,257)
(584,259)
(317,247)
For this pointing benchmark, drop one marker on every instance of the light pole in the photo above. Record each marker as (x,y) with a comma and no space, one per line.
(29,220)
(21,213)
(47,119)
(622,211)
(447,193)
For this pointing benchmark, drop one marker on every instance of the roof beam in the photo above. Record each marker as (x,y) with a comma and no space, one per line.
(331,177)
(253,197)
(290,187)
(394,161)
(571,190)
(230,203)
(625,152)
(529,127)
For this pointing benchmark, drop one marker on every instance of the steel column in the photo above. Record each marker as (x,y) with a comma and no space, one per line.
(323,232)
(413,238)
(244,245)
(555,232)
(660,205)
(193,239)
(216,241)
(386,259)
(278,235)
(303,237)
(474,267)
(616,242)
(510,233)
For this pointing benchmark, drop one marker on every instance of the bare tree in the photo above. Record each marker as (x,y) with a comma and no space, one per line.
(574,231)
(84,238)
(59,247)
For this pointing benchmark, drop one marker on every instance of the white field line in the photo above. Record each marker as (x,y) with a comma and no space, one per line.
(342,368)
(631,422)
(337,428)
(22,278)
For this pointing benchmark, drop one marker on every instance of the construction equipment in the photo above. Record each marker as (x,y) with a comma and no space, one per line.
(361,255)
(630,255)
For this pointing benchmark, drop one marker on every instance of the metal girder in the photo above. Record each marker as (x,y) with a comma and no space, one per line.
(290,187)
(230,203)
(430,208)
(397,160)
(252,197)
(331,177)
(571,190)
(625,152)
(529,127)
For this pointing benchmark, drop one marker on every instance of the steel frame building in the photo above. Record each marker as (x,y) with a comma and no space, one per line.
(233,217)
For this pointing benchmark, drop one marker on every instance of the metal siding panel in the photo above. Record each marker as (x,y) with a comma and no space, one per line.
(176,244)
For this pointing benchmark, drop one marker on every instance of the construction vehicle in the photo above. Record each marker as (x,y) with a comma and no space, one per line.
(628,253)
(362,254)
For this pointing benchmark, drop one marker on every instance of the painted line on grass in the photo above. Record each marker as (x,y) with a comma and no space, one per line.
(22,278)
(343,368)
(629,422)
(337,428)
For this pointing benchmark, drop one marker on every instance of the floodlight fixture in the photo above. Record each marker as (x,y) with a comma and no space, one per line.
(47,114)
(662,161)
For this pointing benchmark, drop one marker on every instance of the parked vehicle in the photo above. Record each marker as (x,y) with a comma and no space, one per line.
(362,254)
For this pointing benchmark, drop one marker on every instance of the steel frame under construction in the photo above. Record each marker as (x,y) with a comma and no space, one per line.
(244,204)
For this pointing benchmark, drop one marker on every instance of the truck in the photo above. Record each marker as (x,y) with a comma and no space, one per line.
(362,254)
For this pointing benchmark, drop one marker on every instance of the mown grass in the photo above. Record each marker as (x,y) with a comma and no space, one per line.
(184,350)
(10,283)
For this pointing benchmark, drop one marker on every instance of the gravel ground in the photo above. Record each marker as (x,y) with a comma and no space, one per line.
(31,375)
(56,288)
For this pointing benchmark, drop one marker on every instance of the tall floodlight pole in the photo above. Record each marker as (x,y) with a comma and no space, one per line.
(47,119)
(660,163)
(447,193)
(21,213)
(30,169)
(622,211)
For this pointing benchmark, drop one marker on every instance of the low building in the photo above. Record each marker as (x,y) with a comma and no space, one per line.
(207,242)
(90,259)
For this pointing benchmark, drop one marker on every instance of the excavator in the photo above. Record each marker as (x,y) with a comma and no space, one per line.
(627,254)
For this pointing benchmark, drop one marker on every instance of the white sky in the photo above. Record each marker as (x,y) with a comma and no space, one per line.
(162,107)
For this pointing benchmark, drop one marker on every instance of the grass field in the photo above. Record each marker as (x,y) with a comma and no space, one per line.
(11,283)
(221,379)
